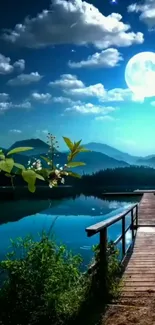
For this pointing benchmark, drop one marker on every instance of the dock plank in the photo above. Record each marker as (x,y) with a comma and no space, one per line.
(139,275)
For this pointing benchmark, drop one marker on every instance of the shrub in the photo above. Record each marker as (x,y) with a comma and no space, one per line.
(114,270)
(44,284)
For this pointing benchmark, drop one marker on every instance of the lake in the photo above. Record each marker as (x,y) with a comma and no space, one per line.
(65,219)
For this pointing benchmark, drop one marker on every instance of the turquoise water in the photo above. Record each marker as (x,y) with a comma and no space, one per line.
(66,220)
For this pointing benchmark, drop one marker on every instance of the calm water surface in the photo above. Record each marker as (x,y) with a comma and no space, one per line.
(66,220)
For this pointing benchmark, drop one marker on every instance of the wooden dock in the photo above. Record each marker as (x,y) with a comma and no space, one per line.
(139,276)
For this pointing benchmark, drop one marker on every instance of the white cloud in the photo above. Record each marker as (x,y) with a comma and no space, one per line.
(4,97)
(41,98)
(15,131)
(19,65)
(25,79)
(104,118)
(73,22)
(4,106)
(146,10)
(72,86)
(120,95)
(96,90)
(65,100)
(5,65)
(106,59)
(25,104)
(89,108)
(67,81)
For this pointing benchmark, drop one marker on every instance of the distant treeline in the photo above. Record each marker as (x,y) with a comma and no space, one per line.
(127,176)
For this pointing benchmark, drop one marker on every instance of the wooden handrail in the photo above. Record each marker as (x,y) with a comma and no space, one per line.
(101,228)
(94,229)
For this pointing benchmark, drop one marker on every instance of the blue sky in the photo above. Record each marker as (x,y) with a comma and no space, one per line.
(62,66)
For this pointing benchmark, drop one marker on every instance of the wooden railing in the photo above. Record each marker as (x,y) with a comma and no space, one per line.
(102,227)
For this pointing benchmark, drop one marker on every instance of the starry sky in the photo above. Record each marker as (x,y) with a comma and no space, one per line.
(62,66)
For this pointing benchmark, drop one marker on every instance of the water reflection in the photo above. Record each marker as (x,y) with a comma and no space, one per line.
(65,219)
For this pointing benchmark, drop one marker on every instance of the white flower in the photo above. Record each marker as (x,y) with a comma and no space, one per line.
(57,172)
(29,162)
(34,164)
(48,163)
(57,165)
(65,165)
(50,185)
(62,180)
(39,168)
(61,168)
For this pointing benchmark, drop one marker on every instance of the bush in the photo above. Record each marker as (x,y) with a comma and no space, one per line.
(114,270)
(43,285)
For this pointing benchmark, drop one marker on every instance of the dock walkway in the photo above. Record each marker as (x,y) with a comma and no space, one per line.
(137,301)
(139,276)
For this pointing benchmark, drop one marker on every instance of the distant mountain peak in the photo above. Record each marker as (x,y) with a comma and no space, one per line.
(35,143)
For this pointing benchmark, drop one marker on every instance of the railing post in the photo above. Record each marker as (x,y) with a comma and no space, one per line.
(103,259)
(136,217)
(123,236)
(132,224)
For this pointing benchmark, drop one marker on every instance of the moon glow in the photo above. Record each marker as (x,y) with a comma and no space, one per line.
(140,74)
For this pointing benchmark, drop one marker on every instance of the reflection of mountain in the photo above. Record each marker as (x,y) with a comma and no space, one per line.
(90,206)
(16,210)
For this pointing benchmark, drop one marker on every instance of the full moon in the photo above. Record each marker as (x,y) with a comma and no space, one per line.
(140,74)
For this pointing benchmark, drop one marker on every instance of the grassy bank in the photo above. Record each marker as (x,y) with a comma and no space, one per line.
(45,285)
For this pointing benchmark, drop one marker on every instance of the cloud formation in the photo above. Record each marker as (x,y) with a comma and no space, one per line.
(41,98)
(105,59)
(19,65)
(4,97)
(25,79)
(146,10)
(15,131)
(89,108)
(68,22)
(6,67)
(72,86)
(67,81)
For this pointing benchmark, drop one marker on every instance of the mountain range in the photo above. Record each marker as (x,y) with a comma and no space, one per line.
(102,156)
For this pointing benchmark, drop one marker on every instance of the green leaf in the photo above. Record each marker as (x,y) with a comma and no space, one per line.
(74,175)
(19,166)
(29,177)
(76,145)
(2,156)
(6,165)
(72,155)
(82,149)
(69,143)
(31,187)
(40,177)
(75,164)
(19,149)
(48,161)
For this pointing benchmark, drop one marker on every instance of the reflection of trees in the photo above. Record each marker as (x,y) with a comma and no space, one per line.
(16,210)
